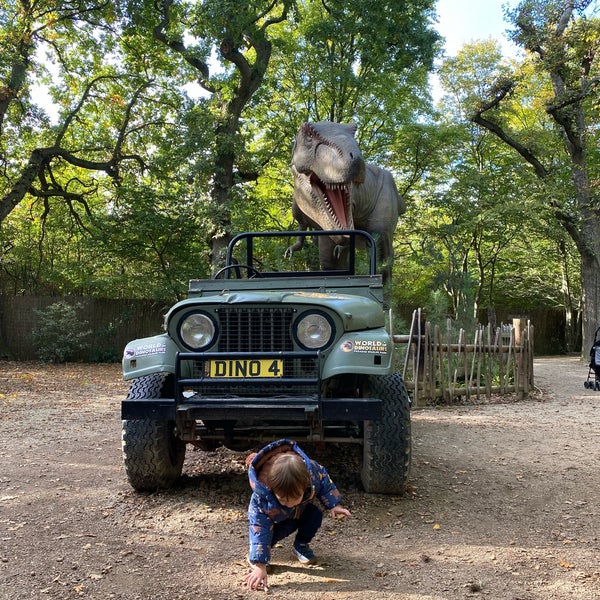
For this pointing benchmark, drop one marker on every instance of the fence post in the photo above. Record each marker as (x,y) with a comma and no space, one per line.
(449,359)
(428,363)
(409,347)
(488,365)
(519,326)
(530,347)
(499,352)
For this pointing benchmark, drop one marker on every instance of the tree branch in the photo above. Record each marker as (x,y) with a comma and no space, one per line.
(177,45)
(563,22)
(500,90)
(39,162)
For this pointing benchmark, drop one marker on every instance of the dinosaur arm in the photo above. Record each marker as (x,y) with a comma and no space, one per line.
(303,224)
(297,245)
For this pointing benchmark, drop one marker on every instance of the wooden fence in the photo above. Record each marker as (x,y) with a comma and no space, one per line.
(113,323)
(444,366)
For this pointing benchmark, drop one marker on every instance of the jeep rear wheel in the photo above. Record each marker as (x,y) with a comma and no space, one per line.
(387,442)
(152,454)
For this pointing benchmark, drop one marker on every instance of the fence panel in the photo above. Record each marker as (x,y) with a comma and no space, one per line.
(113,323)
(446,368)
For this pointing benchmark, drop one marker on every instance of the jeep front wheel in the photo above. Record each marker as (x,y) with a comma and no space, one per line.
(152,454)
(387,441)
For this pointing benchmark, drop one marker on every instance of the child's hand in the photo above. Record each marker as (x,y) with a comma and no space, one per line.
(339,510)
(257,579)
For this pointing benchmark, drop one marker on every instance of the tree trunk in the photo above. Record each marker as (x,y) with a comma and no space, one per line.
(587,234)
(570,309)
(591,295)
(231,99)
(221,191)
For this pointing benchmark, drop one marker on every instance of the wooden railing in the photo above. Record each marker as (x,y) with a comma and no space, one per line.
(447,366)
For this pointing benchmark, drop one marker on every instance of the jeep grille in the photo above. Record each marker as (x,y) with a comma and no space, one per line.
(255,329)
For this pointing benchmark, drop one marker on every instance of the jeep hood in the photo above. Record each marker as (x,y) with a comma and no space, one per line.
(356,312)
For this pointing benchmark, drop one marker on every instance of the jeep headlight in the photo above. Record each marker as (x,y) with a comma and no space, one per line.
(314,330)
(197,330)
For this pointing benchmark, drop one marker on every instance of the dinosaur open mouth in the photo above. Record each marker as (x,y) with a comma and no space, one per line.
(336,201)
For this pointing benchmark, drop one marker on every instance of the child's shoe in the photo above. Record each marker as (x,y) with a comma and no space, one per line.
(304,554)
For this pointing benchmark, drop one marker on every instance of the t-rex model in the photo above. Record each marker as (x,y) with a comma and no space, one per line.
(335,189)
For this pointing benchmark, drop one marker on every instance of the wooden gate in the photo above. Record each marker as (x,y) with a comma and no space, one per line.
(447,366)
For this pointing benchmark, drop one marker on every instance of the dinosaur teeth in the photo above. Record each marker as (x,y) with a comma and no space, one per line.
(333,216)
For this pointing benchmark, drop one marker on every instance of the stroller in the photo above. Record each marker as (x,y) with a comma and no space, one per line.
(594,384)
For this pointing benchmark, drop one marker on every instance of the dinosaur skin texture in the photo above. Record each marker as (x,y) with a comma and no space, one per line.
(334,188)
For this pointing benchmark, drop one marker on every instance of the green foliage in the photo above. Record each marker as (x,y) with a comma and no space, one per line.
(61,334)
(103,350)
(143,180)
(563,42)
(171,129)
(479,231)
(360,61)
(437,309)
(155,242)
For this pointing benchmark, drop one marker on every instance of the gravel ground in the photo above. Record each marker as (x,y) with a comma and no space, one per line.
(502,503)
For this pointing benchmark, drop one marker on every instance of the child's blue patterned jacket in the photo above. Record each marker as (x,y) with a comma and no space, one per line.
(264,509)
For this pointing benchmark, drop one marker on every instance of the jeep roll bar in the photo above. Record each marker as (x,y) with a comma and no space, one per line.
(249,237)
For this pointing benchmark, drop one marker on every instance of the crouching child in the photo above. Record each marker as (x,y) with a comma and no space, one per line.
(284,482)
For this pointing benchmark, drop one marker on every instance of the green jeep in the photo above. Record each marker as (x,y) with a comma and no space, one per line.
(258,353)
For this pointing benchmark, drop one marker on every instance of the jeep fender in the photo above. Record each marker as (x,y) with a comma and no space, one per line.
(149,355)
(367,352)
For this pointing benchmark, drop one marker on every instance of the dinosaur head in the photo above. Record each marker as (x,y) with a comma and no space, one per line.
(326,161)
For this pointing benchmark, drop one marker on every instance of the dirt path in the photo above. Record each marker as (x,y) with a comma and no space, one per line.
(504,504)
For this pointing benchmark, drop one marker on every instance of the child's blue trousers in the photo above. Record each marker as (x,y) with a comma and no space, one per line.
(306,525)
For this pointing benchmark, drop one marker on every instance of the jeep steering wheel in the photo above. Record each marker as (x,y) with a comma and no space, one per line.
(252,272)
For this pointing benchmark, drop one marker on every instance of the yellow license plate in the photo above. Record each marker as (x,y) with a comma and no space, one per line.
(246,368)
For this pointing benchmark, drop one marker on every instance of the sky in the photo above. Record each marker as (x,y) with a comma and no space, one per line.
(463,21)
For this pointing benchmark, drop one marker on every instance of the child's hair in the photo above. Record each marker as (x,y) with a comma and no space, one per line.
(289,476)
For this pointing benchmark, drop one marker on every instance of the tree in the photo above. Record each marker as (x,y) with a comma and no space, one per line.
(472,202)
(62,161)
(114,135)
(346,61)
(351,61)
(240,32)
(119,101)
(326,60)
(563,44)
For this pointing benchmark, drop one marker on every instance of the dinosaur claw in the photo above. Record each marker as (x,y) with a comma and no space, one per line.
(338,251)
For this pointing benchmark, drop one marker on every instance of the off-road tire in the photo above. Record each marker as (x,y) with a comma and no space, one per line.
(152,454)
(387,441)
